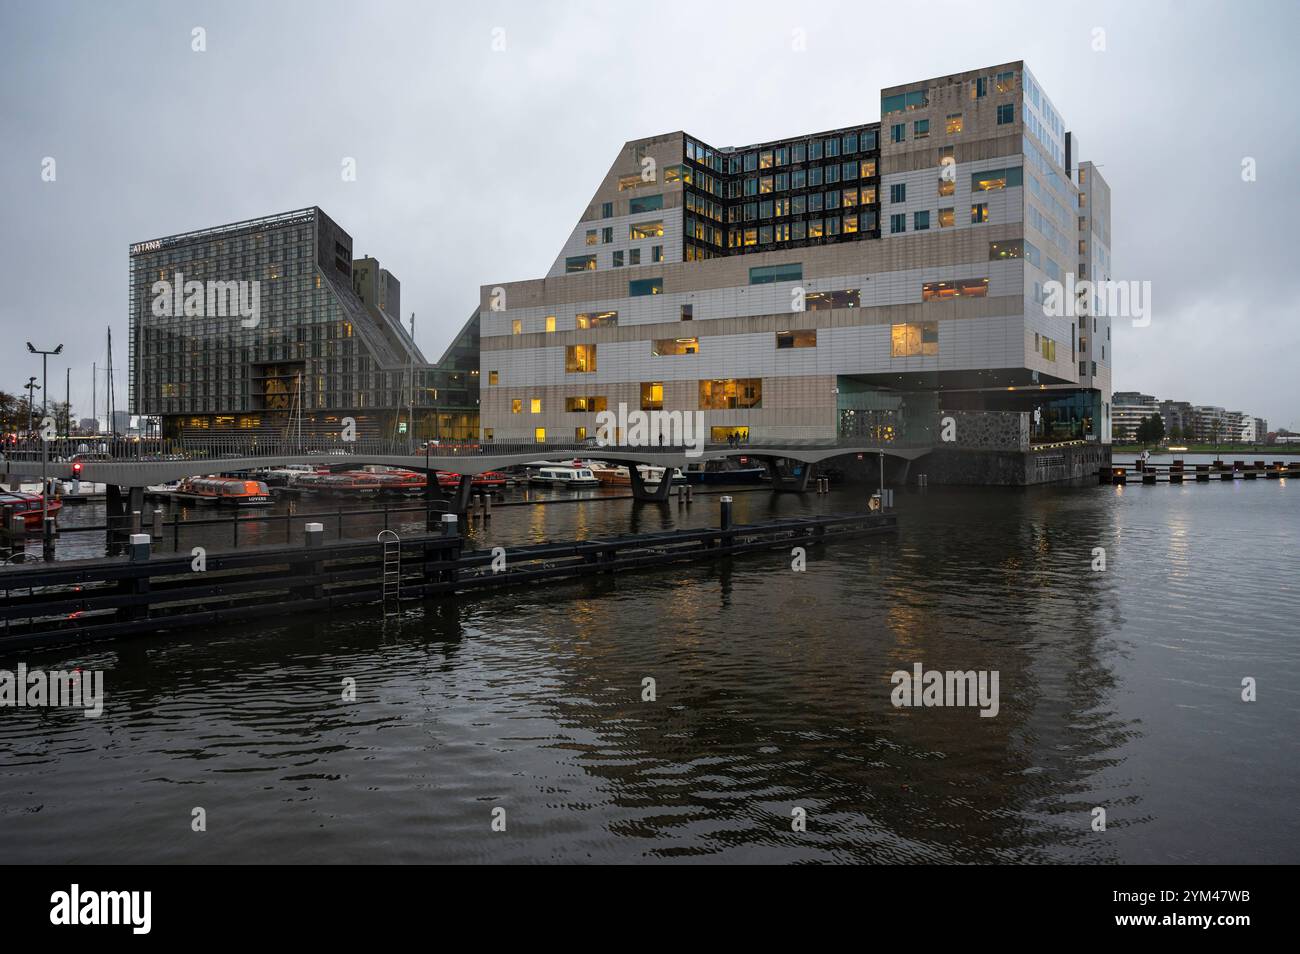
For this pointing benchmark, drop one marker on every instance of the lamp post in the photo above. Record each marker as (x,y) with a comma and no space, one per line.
(31,405)
(45,395)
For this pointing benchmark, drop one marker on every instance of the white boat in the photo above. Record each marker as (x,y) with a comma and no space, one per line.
(620,476)
(564,475)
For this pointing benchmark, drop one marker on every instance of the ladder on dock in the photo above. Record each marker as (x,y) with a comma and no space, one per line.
(391,572)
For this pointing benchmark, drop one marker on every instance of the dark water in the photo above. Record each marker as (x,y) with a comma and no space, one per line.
(1119,689)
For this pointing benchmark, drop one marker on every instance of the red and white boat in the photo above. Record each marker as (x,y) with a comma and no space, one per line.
(231,491)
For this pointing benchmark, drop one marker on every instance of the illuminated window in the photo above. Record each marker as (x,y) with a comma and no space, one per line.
(652,395)
(994,179)
(673,346)
(673,174)
(550,322)
(517,406)
(580,263)
(868,168)
(979,212)
(539,435)
(645,230)
(535,405)
(596,319)
(953,126)
(1005,82)
(633,181)
(593,237)
(493,377)
(517,326)
(796,339)
(819,301)
(723,394)
(947,186)
(578,404)
(946,218)
(580,359)
(961,288)
(645,286)
(914,339)
(1012,249)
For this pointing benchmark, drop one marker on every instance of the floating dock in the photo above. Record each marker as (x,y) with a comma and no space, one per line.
(1178,472)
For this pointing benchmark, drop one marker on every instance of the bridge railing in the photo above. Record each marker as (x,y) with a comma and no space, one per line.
(216,449)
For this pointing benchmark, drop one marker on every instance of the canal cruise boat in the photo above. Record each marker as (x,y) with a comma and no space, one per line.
(575,476)
(228,491)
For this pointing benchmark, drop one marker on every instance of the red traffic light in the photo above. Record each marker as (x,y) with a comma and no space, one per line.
(76,469)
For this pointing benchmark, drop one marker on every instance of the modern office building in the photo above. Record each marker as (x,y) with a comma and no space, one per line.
(861,283)
(271,327)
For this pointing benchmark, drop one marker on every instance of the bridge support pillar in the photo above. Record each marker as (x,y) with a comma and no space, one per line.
(136,500)
(788,475)
(460,502)
(639,490)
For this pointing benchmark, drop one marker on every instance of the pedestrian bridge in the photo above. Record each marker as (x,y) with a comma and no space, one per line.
(145,463)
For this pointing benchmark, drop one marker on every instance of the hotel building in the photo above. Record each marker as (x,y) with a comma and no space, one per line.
(860,283)
(327,343)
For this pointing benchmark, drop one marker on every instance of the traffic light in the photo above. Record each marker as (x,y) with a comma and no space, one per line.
(76,469)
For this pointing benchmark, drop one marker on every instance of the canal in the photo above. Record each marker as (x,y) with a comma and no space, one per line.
(1120,688)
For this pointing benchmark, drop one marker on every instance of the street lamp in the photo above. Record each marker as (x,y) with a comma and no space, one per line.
(45,395)
(31,405)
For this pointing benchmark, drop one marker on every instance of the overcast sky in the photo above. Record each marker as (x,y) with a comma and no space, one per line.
(474,164)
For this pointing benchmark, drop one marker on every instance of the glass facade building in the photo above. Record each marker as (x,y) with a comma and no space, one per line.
(263,327)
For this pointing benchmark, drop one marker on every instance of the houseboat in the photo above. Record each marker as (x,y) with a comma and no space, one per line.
(29,507)
(229,491)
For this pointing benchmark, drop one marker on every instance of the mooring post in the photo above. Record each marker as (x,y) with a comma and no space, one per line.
(157,524)
(690,493)
(135,521)
(487,506)
(47,542)
(725,503)
(313,534)
(449,525)
(139,547)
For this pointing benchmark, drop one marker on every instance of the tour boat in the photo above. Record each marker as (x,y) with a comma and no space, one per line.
(28,506)
(488,480)
(225,490)
(289,474)
(564,475)
(393,480)
(727,470)
(353,483)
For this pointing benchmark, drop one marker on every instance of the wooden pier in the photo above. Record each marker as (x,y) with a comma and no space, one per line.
(1177,472)
(79,601)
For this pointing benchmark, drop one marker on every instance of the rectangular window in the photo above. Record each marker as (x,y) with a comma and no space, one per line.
(517,326)
(953,125)
(898,223)
(766,274)
(550,322)
(656,253)
(517,406)
(607,235)
(593,237)
(634,256)
(645,230)
(607,210)
(578,404)
(796,339)
(535,406)
(961,288)
(539,435)
(579,434)
(867,168)
(663,347)
(980,88)
(652,395)
(595,319)
(946,186)
(946,218)
(921,129)
(921,221)
(617,258)
(1005,82)
(1006,114)
(688,312)
(979,212)
(579,359)
(645,286)
(1014,248)
(914,339)
(994,179)
(726,394)
(493,377)
(898,132)
(898,192)
(645,203)
(819,301)
(580,263)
